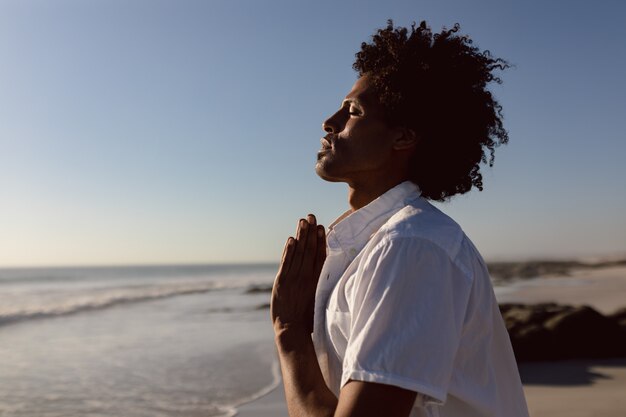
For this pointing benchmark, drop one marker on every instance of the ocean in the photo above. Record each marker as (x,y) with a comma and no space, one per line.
(135,341)
(159,341)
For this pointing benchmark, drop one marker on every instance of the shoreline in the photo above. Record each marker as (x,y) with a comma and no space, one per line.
(272,404)
(266,397)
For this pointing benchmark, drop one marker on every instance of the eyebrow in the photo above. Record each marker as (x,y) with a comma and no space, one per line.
(352,100)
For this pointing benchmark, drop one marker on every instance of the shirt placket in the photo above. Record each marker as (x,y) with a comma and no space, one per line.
(336,262)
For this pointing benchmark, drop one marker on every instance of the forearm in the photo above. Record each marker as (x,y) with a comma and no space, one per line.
(305,390)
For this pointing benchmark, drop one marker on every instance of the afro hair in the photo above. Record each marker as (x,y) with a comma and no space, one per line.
(436,85)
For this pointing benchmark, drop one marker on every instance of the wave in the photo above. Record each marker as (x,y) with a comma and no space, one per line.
(89,302)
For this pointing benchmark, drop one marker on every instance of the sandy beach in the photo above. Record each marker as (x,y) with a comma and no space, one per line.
(573,388)
(603,289)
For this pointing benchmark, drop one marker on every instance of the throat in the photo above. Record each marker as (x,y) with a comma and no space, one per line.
(361,195)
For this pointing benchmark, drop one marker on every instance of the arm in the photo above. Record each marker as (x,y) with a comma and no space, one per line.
(292,305)
(305,390)
(292,314)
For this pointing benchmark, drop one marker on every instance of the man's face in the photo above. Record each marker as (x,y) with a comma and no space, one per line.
(359,143)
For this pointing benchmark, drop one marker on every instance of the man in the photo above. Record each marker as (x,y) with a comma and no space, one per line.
(392,313)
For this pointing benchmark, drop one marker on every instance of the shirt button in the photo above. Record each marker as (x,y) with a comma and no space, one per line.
(352,252)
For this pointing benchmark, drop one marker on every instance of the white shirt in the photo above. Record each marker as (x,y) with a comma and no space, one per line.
(405,299)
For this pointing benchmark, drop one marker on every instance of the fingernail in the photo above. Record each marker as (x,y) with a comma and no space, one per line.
(303,224)
(320,232)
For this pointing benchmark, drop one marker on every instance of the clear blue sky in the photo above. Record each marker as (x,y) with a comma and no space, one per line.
(152,131)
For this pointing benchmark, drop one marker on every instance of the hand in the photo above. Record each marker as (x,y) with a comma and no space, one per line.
(293,294)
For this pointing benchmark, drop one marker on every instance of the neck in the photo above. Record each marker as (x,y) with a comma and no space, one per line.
(361,194)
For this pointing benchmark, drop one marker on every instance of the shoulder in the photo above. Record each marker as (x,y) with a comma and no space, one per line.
(419,222)
(420,231)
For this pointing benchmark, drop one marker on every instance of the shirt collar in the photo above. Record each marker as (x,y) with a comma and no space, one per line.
(351,231)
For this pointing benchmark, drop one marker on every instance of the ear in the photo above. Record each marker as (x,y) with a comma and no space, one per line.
(407,139)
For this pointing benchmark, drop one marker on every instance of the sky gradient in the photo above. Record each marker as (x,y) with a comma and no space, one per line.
(139,132)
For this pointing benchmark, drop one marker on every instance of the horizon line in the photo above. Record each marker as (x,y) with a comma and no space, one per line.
(590,259)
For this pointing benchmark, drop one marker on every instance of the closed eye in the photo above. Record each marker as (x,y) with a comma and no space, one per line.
(353,111)
(352,107)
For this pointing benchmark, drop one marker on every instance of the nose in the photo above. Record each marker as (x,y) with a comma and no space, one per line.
(328,126)
(333,124)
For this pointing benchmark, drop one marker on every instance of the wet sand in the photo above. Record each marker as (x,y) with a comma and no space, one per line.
(270,405)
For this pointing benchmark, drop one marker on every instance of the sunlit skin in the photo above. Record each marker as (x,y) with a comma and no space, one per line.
(362,150)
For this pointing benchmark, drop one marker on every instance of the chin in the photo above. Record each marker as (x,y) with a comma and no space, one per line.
(323,172)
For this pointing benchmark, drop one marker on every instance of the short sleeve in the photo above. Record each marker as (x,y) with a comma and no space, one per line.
(407,305)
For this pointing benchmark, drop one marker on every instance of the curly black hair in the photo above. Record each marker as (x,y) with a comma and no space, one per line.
(436,85)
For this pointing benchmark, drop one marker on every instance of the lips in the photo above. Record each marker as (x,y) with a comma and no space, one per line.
(328,141)
(326,148)
(326,144)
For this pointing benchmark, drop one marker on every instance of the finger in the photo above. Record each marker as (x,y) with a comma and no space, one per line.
(301,230)
(301,235)
(308,261)
(285,263)
(320,253)
(282,258)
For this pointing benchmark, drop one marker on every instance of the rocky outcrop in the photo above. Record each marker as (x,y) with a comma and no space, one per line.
(550,331)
